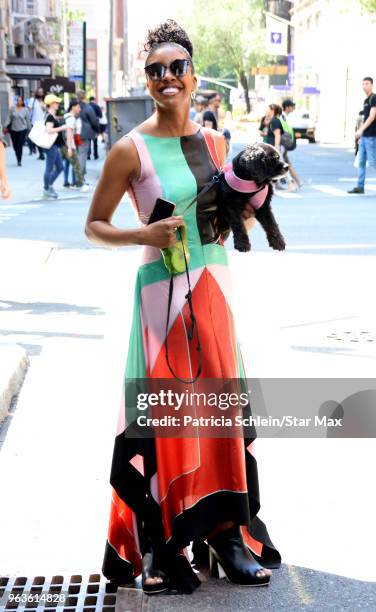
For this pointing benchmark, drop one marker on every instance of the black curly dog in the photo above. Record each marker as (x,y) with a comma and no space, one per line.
(259,164)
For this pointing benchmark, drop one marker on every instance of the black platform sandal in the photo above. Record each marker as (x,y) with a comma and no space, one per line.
(150,570)
(230,558)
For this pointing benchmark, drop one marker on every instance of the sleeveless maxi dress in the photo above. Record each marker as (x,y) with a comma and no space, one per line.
(188,484)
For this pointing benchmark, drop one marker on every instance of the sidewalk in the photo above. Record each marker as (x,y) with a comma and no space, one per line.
(56,456)
(297,315)
(26,182)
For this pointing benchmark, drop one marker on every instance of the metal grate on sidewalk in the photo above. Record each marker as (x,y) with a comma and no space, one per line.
(78,593)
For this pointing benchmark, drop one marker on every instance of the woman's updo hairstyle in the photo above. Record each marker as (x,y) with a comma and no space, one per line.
(168,33)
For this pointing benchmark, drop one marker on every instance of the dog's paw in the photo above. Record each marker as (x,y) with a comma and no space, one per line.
(242,245)
(277,242)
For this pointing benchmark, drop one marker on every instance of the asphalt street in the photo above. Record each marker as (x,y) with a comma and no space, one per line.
(320,218)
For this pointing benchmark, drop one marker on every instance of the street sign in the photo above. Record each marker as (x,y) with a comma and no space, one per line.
(58,86)
(76,56)
(291,69)
(276,36)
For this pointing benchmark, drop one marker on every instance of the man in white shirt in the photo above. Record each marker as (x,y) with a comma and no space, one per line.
(69,150)
(37,113)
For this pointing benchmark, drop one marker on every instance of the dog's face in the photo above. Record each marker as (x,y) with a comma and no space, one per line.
(259,162)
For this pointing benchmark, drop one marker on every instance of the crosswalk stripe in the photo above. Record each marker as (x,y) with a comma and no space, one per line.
(371,187)
(354,180)
(9,211)
(330,190)
(331,246)
(21,206)
(290,195)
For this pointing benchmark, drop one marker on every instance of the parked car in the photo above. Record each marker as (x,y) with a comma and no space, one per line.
(302,125)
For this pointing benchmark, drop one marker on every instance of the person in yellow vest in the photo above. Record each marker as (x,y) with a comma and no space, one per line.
(288,107)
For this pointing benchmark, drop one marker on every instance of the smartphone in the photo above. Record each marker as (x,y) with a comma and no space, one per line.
(162,209)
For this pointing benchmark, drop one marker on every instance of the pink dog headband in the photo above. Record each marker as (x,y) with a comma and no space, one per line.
(244,186)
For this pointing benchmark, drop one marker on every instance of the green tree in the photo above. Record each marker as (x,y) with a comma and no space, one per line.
(369,5)
(228,38)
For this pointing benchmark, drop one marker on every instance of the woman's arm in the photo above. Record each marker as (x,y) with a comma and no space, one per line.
(28,120)
(249,216)
(122,165)
(277,136)
(51,129)
(4,189)
(9,119)
(70,140)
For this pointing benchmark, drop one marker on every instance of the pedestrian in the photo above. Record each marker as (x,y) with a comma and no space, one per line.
(89,129)
(37,113)
(4,187)
(275,129)
(274,135)
(210,116)
(366,135)
(103,127)
(263,127)
(186,488)
(200,105)
(69,149)
(98,111)
(358,123)
(18,124)
(288,106)
(54,163)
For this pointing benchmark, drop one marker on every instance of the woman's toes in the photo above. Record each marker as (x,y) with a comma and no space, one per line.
(154,580)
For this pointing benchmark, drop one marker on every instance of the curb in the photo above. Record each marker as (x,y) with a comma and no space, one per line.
(61,198)
(14,362)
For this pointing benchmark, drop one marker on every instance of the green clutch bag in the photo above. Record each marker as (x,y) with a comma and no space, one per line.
(173,257)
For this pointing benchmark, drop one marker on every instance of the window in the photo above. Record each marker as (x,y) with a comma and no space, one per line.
(30,6)
(17,6)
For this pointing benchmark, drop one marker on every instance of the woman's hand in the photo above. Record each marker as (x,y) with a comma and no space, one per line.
(161,234)
(4,189)
(248,216)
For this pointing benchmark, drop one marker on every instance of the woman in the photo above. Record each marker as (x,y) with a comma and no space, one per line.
(168,492)
(264,127)
(275,129)
(18,124)
(273,137)
(103,125)
(54,163)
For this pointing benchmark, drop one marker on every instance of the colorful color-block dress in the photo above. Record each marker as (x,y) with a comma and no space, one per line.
(188,485)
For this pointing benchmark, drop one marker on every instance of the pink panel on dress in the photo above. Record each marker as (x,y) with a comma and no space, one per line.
(138,462)
(222,276)
(154,300)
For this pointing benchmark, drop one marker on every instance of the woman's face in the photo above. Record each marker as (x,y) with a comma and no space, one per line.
(171,91)
(54,106)
(20,101)
(269,114)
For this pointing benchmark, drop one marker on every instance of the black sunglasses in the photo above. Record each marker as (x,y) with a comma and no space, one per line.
(157,71)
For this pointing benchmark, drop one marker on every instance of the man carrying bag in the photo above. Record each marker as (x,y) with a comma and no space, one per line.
(89,129)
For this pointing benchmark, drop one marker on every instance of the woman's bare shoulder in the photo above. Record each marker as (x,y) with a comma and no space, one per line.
(123,156)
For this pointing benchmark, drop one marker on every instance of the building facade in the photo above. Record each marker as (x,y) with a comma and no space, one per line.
(30,45)
(333,47)
(97,17)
